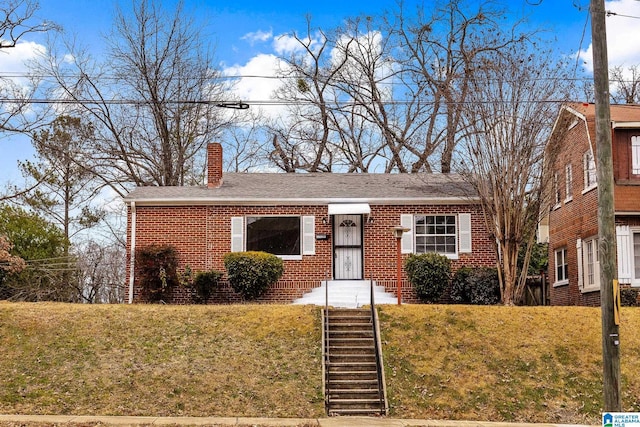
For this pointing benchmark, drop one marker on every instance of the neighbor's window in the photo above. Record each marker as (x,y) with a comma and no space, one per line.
(278,235)
(562,267)
(436,233)
(589,165)
(636,257)
(591,265)
(568,184)
(556,190)
(635,155)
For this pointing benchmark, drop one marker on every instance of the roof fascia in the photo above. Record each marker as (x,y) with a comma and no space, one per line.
(625,125)
(299,202)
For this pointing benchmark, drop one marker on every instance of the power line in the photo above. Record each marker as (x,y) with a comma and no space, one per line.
(245,104)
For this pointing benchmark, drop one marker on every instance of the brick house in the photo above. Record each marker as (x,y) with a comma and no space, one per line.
(323,225)
(573,221)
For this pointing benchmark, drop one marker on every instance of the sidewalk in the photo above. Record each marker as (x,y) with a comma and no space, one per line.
(257,422)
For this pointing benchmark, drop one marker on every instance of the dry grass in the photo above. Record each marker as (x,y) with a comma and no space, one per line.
(160,360)
(534,364)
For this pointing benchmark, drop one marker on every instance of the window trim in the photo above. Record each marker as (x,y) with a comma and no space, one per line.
(557,197)
(635,281)
(565,280)
(634,155)
(301,219)
(584,260)
(568,182)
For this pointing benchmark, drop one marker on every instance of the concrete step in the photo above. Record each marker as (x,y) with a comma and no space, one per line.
(347,293)
(354,412)
(352,349)
(354,404)
(338,326)
(354,394)
(352,375)
(356,359)
(362,384)
(351,334)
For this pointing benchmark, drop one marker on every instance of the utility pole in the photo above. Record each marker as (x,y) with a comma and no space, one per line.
(606,211)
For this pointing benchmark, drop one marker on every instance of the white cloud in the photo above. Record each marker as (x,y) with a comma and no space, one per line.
(256,81)
(623,33)
(286,44)
(14,58)
(258,36)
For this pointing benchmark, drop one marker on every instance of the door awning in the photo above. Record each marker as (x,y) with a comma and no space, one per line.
(349,208)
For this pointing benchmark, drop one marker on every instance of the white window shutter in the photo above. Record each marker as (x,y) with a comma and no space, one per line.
(580,263)
(625,257)
(237,234)
(464,233)
(308,235)
(406,220)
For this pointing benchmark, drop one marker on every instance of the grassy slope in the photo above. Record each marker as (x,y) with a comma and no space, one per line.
(454,362)
(160,360)
(536,364)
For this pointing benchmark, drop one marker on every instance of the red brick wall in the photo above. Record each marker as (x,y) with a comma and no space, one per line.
(578,218)
(572,219)
(627,185)
(201,235)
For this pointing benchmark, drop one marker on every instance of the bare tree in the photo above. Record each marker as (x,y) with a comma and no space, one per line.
(370,81)
(625,84)
(100,272)
(17,20)
(301,138)
(513,100)
(152,102)
(441,50)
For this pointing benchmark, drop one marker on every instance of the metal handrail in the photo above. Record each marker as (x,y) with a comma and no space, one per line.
(325,342)
(376,340)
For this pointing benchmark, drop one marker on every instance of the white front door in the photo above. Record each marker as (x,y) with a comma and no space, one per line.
(347,247)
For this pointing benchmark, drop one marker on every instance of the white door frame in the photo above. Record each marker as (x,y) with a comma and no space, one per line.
(348,247)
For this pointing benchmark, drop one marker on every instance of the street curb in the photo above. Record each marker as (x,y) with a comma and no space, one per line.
(255,421)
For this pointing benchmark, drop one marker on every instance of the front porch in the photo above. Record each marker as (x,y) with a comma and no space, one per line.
(347,294)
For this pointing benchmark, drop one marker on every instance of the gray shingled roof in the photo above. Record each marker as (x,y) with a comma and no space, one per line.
(312,188)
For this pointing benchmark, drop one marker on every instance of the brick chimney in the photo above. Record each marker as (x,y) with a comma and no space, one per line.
(214,165)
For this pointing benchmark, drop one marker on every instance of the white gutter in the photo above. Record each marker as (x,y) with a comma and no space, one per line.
(625,125)
(133,251)
(320,201)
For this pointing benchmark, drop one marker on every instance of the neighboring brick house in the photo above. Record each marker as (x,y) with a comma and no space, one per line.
(323,225)
(573,220)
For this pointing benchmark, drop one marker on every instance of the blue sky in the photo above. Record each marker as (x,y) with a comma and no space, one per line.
(245,34)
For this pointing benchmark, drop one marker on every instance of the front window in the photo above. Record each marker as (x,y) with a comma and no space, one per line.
(589,165)
(562,267)
(436,233)
(278,235)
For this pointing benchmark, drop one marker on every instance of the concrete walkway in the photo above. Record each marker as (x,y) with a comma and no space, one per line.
(257,422)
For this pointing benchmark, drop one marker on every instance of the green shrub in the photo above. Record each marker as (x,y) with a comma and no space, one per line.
(156,270)
(429,274)
(459,292)
(251,273)
(203,285)
(485,286)
(478,286)
(629,297)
